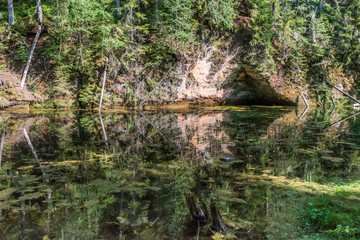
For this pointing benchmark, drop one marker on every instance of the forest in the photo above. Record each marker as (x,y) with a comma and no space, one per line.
(166,51)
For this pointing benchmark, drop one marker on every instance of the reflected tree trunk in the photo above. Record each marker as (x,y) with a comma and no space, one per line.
(2,147)
(306,104)
(218,224)
(121,210)
(11,12)
(341,121)
(49,213)
(22,223)
(103,128)
(196,211)
(30,144)
(305,101)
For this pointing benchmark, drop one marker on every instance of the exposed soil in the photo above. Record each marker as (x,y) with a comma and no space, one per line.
(10,93)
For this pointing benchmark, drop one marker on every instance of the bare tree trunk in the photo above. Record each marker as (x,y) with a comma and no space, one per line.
(57,10)
(218,224)
(103,86)
(305,101)
(341,121)
(118,8)
(333,102)
(2,147)
(22,223)
(23,78)
(344,93)
(103,128)
(313,18)
(157,10)
(30,144)
(38,32)
(49,211)
(321,3)
(39,11)
(275,7)
(197,213)
(11,12)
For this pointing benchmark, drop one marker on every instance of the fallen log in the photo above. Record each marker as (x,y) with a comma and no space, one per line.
(37,36)
(344,93)
(26,69)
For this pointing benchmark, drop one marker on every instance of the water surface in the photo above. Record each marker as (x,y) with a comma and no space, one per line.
(78,175)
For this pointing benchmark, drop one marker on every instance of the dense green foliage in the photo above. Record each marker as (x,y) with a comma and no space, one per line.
(301,41)
(304,38)
(79,35)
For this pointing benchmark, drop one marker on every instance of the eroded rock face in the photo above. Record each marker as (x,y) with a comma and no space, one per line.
(271,90)
(222,77)
(215,82)
(204,134)
(10,94)
(234,83)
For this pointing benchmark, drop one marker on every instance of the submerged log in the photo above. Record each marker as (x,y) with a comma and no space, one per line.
(30,144)
(197,213)
(218,224)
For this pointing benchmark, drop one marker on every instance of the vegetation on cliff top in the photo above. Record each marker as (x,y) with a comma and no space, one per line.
(303,42)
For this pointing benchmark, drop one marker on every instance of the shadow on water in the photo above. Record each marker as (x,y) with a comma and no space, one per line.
(158,175)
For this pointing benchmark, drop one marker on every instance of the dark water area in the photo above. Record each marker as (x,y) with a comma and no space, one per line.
(125,175)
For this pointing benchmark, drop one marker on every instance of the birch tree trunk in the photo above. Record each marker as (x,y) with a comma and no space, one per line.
(344,93)
(313,19)
(39,11)
(103,86)
(22,216)
(30,144)
(11,12)
(2,147)
(275,9)
(38,32)
(26,70)
(103,128)
(321,3)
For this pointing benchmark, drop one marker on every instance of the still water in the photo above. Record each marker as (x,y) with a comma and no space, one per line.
(126,175)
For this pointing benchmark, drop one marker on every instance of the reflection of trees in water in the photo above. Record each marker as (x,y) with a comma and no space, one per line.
(306,147)
(203,135)
(135,179)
